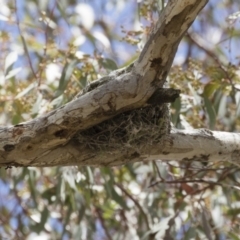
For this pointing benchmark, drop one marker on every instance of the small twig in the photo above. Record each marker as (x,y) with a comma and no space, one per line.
(185,181)
(137,205)
(214,57)
(100,217)
(158,171)
(23,42)
(46,43)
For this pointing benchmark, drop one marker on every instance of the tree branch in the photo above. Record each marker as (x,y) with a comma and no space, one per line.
(48,140)
(189,145)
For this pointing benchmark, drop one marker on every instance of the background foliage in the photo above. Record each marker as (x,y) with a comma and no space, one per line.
(49,51)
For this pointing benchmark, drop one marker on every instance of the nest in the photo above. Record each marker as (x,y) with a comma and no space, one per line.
(129,129)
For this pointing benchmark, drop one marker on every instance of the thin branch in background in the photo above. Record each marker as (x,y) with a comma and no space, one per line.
(230,43)
(224,175)
(46,45)
(23,42)
(207,169)
(214,57)
(231,21)
(185,181)
(210,183)
(158,171)
(136,203)
(100,217)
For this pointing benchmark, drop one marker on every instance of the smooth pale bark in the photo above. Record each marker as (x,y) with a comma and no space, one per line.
(191,145)
(197,145)
(47,141)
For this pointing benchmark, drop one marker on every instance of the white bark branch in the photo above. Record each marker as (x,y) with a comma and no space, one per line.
(47,141)
(197,145)
(191,145)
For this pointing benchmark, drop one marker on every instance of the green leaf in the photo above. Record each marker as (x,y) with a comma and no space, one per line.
(233,212)
(83,81)
(32,185)
(49,193)
(118,199)
(109,64)
(217,99)
(38,227)
(190,234)
(131,170)
(233,236)
(211,112)
(89,175)
(62,190)
(222,107)
(210,88)
(65,77)
(44,217)
(57,102)
(27,90)
(237,96)
(13,72)
(196,97)
(82,208)
(37,105)
(70,179)
(109,186)
(177,107)
(11,58)
(161,227)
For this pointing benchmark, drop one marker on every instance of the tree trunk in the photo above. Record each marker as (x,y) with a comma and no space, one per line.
(121,117)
